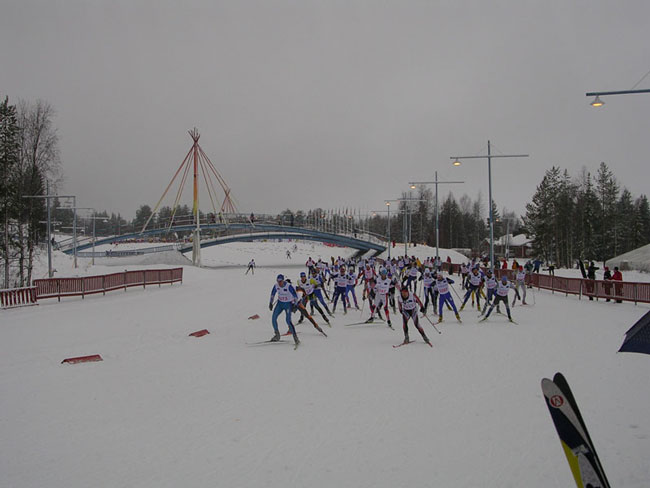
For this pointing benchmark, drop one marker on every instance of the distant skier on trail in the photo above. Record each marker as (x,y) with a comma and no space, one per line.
(251,267)
(287,298)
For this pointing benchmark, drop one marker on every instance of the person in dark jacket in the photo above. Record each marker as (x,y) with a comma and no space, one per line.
(591,275)
(607,276)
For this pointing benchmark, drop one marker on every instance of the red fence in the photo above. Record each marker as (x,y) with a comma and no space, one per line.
(18,297)
(87,285)
(606,290)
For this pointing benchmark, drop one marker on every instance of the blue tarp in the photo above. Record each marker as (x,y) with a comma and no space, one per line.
(637,339)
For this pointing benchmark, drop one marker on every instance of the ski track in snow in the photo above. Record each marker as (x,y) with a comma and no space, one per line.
(167,410)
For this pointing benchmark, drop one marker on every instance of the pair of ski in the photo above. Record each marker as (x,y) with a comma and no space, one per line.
(574,436)
(410,342)
(281,341)
(485,319)
(365,322)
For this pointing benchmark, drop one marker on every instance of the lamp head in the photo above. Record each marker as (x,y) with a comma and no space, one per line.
(457,162)
(597,102)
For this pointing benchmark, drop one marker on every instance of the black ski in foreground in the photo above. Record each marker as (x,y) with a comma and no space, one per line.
(574,437)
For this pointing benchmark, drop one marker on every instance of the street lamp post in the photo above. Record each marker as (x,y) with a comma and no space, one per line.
(489,157)
(597,102)
(389,241)
(47,197)
(435,182)
(404,225)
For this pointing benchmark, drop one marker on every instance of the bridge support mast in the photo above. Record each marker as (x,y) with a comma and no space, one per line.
(196,234)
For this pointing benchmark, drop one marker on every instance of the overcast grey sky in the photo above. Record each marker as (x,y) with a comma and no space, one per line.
(306,104)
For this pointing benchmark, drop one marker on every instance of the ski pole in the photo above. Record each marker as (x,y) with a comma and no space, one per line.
(426,317)
(452,287)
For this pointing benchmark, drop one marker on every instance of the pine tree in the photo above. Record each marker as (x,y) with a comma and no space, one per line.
(642,222)
(540,215)
(626,217)
(9,193)
(606,222)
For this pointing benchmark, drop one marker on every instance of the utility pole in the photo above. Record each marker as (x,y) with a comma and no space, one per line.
(435,182)
(489,157)
(47,198)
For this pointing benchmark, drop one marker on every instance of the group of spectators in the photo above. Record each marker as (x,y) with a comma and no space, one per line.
(607,276)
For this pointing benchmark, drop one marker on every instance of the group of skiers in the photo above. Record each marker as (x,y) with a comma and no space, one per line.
(380,280)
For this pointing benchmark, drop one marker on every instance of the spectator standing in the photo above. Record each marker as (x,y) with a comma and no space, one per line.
(607,276)
(618,287)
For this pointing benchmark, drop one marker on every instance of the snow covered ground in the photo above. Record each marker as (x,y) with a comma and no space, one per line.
(167,410)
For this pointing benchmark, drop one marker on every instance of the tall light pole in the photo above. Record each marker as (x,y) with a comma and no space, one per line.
(389,241)
(435,182)
(47,197)
(489,157)
(406,213)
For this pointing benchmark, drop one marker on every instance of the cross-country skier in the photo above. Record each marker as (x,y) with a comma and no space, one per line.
(251,266)
(411,276)
(430,292)
(464,270)
(474,283)
(503,288)
(408,303)
(287,297)
(520,281)
(308,287)
(444,295)
(381,297)
(491,286)
(340,285)
(319,289)
(350,287)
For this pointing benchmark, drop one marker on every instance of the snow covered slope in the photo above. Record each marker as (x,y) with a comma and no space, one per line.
(167,410)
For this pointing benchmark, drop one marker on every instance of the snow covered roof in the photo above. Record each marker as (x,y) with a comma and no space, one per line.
(518,240)
(638,259)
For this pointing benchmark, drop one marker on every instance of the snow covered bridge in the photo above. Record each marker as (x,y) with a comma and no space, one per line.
(247,232)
